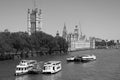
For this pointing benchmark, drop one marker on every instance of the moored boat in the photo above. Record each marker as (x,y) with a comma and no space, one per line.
(52,67)
(87,58)
(24,66)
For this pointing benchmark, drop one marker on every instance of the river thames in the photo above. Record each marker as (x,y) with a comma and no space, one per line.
(106,67)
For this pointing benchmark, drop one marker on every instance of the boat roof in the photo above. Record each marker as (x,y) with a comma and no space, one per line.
(51,62)
(21,66)
(27,60)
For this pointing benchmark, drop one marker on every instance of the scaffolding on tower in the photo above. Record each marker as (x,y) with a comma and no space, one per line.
(34,19)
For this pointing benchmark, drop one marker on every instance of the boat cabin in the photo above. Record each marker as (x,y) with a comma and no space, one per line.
(28,62)
(52,67)
(24,66)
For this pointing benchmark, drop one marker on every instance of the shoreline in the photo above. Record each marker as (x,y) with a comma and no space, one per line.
(55,54)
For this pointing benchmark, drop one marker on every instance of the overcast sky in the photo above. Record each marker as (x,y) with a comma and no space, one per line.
(99,18)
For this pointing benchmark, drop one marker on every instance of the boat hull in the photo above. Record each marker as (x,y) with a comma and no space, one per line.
(51,72)
(34,72)
(89,58)
(74,59)
(18,74)
(77,60)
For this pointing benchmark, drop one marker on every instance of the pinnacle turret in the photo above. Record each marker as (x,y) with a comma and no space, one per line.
(64,34)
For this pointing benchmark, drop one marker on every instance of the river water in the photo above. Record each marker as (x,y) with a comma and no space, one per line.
(106,67)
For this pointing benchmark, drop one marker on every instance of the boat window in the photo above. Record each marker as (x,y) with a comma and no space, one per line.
(28,63)
(45,68)
(48,63)
(58,67)
(32,62)
(53,68)
(57,63)
(23,61)
(28,67)
(17,68)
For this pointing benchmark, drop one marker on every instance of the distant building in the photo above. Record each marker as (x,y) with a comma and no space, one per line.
(64,35)
(78,41)
(99,39)
(34,20)
(57,34)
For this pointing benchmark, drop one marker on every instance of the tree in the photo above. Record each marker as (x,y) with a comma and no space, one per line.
(62,43)
(41,40)
(5,42)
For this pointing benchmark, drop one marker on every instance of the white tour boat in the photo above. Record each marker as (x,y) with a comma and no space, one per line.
(24,66)
(51,67)
(87,57)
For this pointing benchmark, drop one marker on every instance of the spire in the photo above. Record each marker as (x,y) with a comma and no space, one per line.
(80,29)
(34,4)
(64,34)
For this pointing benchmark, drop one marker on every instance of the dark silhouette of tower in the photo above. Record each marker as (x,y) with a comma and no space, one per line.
(64,34)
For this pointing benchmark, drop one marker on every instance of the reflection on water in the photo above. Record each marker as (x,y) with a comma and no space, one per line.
(106,67)
(56,76)
(70,63)
(89,64)
(24,77)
